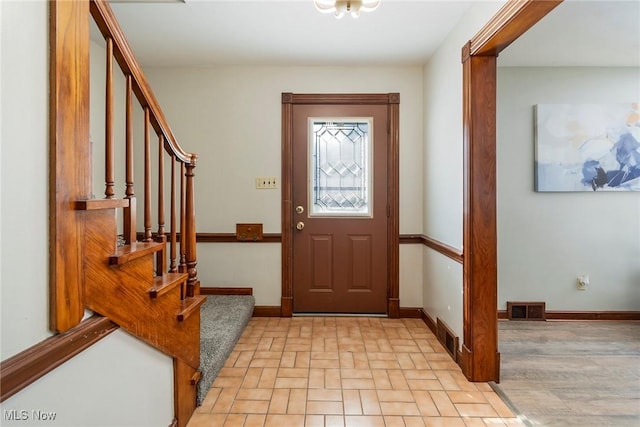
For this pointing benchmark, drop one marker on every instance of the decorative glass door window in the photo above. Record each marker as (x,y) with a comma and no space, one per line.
(340,166)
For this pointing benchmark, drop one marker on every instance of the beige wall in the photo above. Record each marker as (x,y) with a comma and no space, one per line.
(231,117)
(24,160)
(443,167)
(545,240)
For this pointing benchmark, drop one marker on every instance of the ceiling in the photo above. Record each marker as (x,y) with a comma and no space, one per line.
(399,32)
(281,32)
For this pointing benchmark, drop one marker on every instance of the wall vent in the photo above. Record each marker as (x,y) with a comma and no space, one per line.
(448,339)
(526,310)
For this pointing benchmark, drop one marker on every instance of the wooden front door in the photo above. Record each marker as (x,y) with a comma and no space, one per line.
(339,203)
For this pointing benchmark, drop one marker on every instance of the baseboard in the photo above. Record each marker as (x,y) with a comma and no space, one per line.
(225,291)
(431,324)
(267,311)
(455,353)
(593,315)
(275,311)
(583,315)
(410,312)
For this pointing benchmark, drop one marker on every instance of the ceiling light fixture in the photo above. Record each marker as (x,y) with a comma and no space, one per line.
(340,7)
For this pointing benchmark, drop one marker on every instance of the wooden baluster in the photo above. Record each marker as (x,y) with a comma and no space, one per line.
(147,177)
(172,250)
(109,191)
(161,259)
(190,231)
(129,212)
(183,222)
(161,186)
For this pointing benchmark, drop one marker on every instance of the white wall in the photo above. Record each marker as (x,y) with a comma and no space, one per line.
(88,389)
(24,79)
(231,117)
(443,166)
(545,240)
(116,382)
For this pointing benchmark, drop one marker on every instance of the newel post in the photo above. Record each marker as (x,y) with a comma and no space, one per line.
(69,159)
(190,230)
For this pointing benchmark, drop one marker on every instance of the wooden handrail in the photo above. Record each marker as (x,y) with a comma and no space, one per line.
(110,29)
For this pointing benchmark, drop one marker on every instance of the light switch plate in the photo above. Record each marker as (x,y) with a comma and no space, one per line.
(266,182)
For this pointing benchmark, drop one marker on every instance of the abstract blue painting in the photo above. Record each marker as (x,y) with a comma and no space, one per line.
(587,147)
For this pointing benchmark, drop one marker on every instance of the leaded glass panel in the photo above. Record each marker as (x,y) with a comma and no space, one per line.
(340,159)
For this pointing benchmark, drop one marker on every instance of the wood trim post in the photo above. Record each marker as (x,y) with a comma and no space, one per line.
(69,176)
(480,347)
(286,299)
(393,206)
(480,357)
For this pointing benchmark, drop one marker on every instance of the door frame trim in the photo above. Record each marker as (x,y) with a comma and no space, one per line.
(480,359)
(392,100)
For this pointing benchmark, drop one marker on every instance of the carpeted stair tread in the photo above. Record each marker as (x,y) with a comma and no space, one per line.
(222,320)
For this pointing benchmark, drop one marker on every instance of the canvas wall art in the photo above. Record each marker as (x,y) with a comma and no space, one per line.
(587,147)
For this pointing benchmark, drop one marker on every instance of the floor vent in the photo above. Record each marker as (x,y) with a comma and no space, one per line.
(526,310)
(448,339)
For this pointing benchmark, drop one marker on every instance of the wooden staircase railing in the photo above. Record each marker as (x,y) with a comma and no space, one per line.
(147,283)
(174,330)
(154,120)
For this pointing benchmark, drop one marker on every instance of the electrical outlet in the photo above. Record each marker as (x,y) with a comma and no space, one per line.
(582,282)
(266,182)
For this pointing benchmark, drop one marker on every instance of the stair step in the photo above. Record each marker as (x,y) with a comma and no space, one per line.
(165,283)
(97,204)
(196,377)
(189,306)
(133,251)
(222,320)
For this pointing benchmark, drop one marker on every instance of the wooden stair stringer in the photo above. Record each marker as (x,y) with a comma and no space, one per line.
(185,391)
(122,293)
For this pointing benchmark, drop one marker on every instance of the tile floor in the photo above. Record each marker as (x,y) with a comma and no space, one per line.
(345,371)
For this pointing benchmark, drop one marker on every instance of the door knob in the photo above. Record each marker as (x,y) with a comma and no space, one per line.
(300,225)
(299,210)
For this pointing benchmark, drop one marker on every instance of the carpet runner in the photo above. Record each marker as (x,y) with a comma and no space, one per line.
(222,320)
